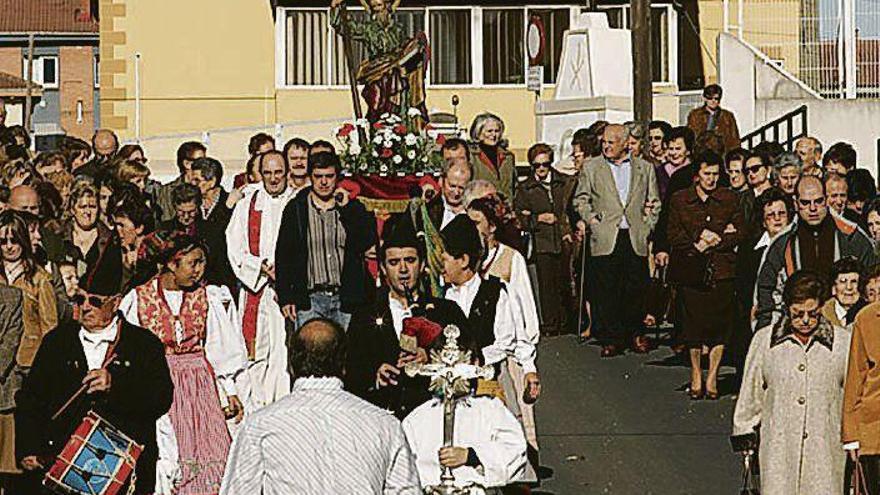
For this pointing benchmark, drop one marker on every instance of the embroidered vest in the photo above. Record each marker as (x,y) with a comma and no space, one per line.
(156,316)
(481,319)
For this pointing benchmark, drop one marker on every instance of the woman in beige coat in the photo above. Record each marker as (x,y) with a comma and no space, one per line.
(793,389)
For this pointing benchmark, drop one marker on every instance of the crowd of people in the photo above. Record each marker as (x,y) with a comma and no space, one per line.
(219,328)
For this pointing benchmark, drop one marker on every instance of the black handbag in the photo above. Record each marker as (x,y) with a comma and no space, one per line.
(747,445)
(658,297)
(691,270)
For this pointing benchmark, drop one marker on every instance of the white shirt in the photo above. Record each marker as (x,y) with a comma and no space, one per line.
(505,323)
(840,311)
(95,344)
(398,314)
(481,423)
(320,440)
(448,214)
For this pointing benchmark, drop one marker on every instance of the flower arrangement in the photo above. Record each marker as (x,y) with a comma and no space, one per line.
(394,146)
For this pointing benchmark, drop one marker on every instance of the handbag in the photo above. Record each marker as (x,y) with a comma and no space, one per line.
(658,297)
(692,270)
(750,485)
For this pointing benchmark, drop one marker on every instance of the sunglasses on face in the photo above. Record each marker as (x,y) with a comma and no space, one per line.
(714,98)
(541,164)
(94,301)
(806,203)
(4,241)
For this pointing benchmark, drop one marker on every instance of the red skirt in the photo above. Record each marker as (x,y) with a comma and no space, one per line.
(199,424)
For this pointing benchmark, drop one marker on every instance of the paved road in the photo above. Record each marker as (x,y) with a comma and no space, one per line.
(625,426)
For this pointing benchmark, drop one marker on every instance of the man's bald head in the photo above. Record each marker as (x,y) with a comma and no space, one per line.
(24,198)
(812,204)
(104,143)
(319,350)
(614,142)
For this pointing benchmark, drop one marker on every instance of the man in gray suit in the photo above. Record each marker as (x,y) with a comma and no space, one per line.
(617,197)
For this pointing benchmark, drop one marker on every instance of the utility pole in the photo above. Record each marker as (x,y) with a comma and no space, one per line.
(29,95)
(643,69)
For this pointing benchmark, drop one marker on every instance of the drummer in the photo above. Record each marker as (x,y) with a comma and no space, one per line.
(120,370)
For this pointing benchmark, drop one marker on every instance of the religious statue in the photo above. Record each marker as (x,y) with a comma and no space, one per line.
(393,73)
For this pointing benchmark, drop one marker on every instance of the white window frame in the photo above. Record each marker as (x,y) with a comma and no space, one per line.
(38,71)
(476,55)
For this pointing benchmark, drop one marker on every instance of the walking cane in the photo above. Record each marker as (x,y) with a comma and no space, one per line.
(581,309)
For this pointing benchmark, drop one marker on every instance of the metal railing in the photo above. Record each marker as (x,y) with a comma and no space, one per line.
(775,128)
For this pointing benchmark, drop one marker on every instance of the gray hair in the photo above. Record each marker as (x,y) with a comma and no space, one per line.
(480,122)
(210,168)
(788,159)
(478,188)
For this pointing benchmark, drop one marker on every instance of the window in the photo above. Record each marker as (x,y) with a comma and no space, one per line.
(45,71)
(450,41)
(306,46)
(556,22)
(503,46)
(312,54)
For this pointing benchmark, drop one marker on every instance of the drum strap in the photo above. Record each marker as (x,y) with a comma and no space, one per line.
(109,356)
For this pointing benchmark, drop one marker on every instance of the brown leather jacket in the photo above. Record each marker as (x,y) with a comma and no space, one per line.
(725,125)
(720,213)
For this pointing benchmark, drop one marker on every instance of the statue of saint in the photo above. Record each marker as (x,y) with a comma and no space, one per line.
(393,73)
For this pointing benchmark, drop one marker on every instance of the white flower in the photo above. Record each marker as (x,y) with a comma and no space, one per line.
(383,168)
(411,155)
(361,122)
(425,159)
(377,139)
(385,116)
(354,149)
(411,139)
(397,159)
(414,112)
(387,144)
(395,137)
(375,153)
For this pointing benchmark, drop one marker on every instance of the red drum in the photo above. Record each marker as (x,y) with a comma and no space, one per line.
(97,460)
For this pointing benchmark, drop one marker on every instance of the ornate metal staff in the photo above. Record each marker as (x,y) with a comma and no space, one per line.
(450,370)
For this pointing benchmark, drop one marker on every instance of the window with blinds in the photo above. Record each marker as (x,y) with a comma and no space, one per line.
(504,46)
(450,39)
(306,47)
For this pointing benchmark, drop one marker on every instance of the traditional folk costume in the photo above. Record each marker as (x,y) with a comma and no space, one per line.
(483,424)
(203,349)
(251,239)
(140,393)
(508,265)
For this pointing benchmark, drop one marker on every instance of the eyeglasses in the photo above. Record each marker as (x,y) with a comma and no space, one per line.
(10,241)
(799,315)
(806,203)
(656,138)
(94,301)
(715,98)
(542,164)
(754,169)
(776,214)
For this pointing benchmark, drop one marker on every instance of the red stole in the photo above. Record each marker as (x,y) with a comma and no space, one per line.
(252,299)
(156,316)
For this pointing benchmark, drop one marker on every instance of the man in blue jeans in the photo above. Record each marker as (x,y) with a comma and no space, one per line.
(320,265)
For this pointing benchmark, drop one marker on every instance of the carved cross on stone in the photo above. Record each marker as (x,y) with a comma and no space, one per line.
(450,370)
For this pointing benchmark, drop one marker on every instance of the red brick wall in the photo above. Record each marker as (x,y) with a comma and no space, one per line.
(77,83)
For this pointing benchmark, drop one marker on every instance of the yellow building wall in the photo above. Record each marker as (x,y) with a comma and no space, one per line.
(772,26)
(209,65)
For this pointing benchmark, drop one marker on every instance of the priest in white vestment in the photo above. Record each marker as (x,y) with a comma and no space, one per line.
(251,237)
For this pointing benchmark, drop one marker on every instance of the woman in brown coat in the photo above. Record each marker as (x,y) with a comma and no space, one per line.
(489,155)
(38,309)
(705,223)
(861,396)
